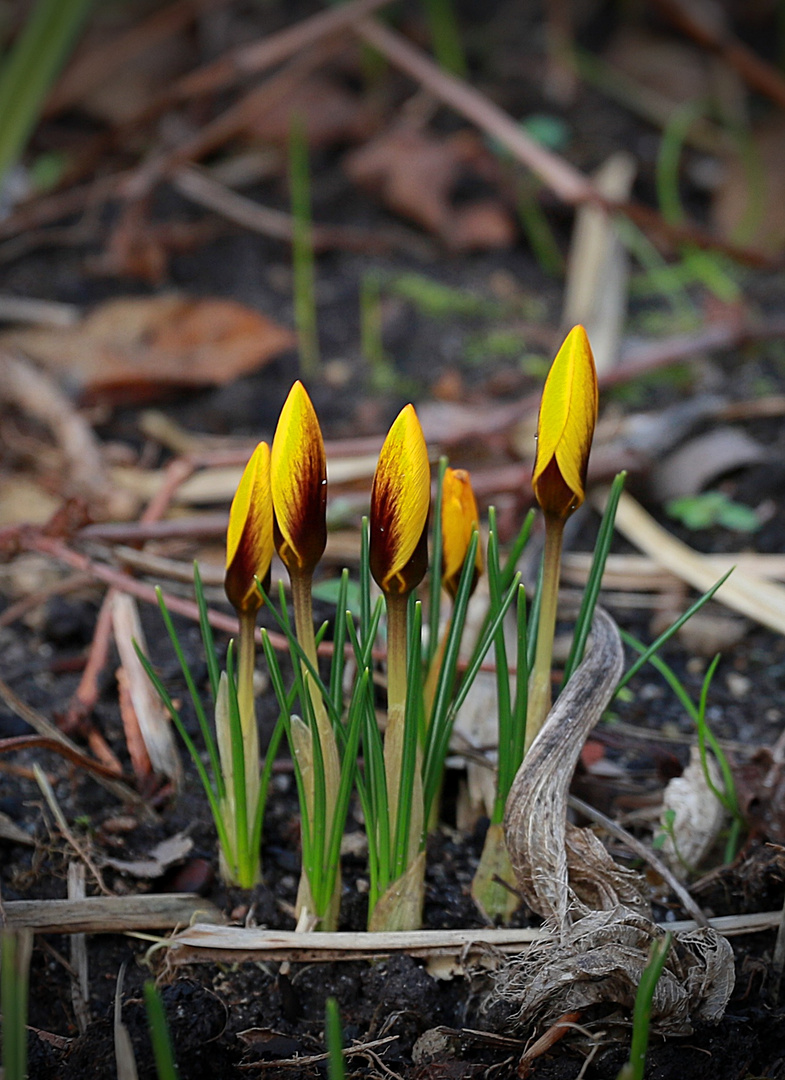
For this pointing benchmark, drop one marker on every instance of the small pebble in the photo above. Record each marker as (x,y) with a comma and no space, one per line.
(739,685)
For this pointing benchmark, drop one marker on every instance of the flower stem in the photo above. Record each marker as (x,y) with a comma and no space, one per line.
(396,699)
(246,664)
(327,906)
(540,682)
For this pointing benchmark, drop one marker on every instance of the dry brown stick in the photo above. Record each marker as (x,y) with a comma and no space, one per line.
(277,224)
(274,49)
(559,175)
(188,608)
(87,692)
(567,182)
(226,944)
(48,730)
(108,914)
(315,1059)
(758,73)
(231,122)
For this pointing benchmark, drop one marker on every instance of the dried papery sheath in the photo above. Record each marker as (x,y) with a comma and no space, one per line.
(568,415)
(249,539)
(400,500)
(597,910)
(460,518)
(298,470)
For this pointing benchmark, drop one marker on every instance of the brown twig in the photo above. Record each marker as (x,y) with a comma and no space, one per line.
(563,179)
(709,33)
(277,224)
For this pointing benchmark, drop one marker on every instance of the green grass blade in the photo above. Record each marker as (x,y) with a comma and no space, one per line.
(238,770)
(207,633)
(339,642)
(521,540)
(27,74)
(633,1069)
(334,1037)
(594,582)
(666,635)
(204,727)
(211,792)
(435,570)
(14,982)
(511,746)
(159,1033)
(442,714)
(402,825)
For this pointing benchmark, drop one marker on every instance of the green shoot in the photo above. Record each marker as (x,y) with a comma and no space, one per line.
(35,60)
(727,796)
(383,374)
(159,1033)
(336,1069)
(14,976)
(633,1069)
(446,37)
(591,590)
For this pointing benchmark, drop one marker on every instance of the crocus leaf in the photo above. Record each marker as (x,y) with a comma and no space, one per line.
(568,414)
(298,468)
(400,500)
(459,520)
(249,538)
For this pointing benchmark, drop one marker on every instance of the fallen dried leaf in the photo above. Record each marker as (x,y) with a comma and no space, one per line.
(139,347)
(416,173)
(170,851)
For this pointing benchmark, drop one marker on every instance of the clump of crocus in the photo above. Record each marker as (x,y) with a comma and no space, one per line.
(231,779)
(298,469)
(400,501)
(568,414)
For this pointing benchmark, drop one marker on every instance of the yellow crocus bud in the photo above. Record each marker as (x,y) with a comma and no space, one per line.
(568,414)
(298,470)
(400,500)
(249,538)
(459,520)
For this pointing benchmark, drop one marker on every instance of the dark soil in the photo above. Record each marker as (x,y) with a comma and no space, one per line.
(227,1021)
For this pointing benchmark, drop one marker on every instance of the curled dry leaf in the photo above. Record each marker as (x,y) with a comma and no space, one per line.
(416,175)
(598,911)
(697,815)
(139,347)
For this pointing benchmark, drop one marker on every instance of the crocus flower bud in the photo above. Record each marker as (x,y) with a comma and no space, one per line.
(298,471)
(249,538)
(400,500)
(459,520)
(568,414)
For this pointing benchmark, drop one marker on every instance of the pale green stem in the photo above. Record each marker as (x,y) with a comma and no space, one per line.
(303,621)
(540,682)
(396,699)
(246,665)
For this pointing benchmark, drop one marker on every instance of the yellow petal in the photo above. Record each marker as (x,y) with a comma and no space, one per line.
(249,538)
(400,500)
(568,414)
(459,520)
(298,470)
